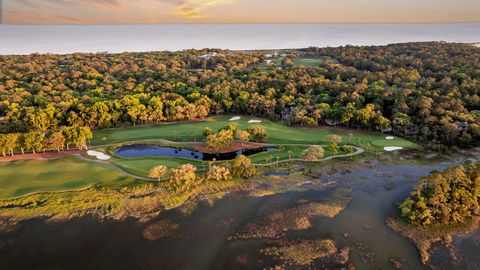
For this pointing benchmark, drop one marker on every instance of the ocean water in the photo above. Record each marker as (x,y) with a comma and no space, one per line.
(26,39)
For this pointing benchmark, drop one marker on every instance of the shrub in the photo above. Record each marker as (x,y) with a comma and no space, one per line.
(313,153)
(347,149)
(242,167)
(257,133)
(217,173)
(158,172)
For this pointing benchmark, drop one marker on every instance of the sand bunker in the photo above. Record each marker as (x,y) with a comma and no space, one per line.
(254,121)
(390,138)
(236,118)
(392,148)
(98,155)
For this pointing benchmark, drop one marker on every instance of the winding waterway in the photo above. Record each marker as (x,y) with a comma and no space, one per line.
(202,240)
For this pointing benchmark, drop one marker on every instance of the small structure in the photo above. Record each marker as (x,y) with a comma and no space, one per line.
(332,122)
(209,56)
(462,125)
(413,130)
(384,130)
(287,115)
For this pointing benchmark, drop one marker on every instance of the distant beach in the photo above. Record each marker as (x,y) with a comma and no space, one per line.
(60,39)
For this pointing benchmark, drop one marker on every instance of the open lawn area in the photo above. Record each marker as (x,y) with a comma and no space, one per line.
(277,134)
(18,178)
(300,62)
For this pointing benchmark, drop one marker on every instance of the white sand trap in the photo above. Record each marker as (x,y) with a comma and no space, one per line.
(390,138)
(236,118)
(254,121)
(392,148)
(98,155)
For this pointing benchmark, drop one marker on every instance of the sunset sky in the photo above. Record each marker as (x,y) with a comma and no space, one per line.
(239,11)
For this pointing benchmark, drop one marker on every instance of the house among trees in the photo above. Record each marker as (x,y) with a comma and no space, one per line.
(413,130)
(462,125)
(209,55)
(287,115)
(332,122)
(384,130)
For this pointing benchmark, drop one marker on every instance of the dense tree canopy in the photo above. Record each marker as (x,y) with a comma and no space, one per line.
(448,197)
(426,90)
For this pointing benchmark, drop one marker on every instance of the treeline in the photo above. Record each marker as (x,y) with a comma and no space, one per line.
(45,141)
(429,91)
(450,197)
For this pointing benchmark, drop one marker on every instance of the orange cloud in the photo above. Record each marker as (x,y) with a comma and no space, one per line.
(17,16)
(192,9)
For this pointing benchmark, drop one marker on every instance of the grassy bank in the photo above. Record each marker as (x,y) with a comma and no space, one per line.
(142,201)
(19,178)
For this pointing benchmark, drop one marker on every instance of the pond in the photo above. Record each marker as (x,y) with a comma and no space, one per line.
(140,151)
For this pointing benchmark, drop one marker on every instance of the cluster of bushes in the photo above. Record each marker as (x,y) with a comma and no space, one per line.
(186,175)
(225,136)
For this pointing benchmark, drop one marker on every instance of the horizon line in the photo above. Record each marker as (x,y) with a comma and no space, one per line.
(239,23)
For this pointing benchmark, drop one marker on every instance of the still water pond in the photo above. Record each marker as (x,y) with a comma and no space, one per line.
(140,150)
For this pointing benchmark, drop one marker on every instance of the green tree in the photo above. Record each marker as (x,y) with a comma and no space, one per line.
(334,148)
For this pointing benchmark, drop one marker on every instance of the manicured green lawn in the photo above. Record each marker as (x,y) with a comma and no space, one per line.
(142,166)
(307,62)
(278,133)
(22,177)
(301,62)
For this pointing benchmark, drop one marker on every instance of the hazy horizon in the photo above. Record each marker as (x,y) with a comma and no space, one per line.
(60,39)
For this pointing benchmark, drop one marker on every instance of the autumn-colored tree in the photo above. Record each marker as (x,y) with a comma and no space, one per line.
(221,140)
(56,141)
(207,132)
(334,139)
(158,172)
(217,173)
(242,167)
(447,198)
(242,135)
(184,176)
(313,153)
(257,133)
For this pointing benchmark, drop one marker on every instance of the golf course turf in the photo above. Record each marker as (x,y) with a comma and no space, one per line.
(68,173)
(19,178)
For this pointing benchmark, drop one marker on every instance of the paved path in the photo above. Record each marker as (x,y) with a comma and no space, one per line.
(357,152)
